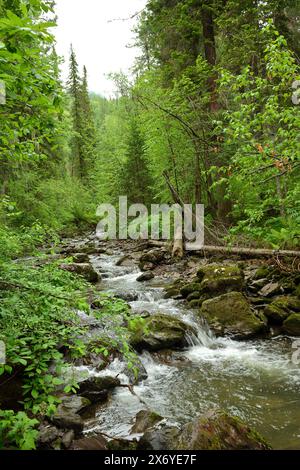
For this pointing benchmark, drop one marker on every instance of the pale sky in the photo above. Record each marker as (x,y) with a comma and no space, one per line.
(99,44)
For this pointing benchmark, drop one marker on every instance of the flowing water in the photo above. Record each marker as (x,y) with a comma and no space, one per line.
(254,380)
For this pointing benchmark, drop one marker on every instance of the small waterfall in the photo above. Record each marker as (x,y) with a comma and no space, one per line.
(254,380)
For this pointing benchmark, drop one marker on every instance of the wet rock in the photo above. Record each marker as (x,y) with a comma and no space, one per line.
(188,289)
(83,269)
(215,430)
(230,314)
(47,435)
(130,296)
(282,308)
(151,259)
(147,276)
(136,373)
(144,420)
(219,431)
(172,292)
(162,436)
(271,289)
(96,388)
(291,325)
(80,258)
(219,279)
(161,332)
(67,439)
(90,443)
(73,404)
(68,420)
(126,261)
(122,444)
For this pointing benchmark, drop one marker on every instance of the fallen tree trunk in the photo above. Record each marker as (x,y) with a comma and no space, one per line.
(252,252)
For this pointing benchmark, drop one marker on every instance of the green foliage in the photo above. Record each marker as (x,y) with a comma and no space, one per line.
(17,431)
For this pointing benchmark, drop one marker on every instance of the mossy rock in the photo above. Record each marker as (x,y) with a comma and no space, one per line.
(196,303)
(162,332)
(214,271)
(193,295)
(218,430)
(231,314)
(261,273)
(219,279)
(144,420)
(282,308)
(171,292)
(297,292)
(188,289)
(291,325)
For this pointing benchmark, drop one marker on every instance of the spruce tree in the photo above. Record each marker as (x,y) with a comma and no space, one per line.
(135,174)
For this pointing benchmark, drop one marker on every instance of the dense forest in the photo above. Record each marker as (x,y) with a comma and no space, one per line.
(212,108)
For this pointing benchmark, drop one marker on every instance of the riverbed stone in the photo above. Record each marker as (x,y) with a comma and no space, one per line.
(217,430)
(96,388)
(151,259)
(67,420)
(271,289)
(80,258)
(282,308)
(73,404)
(147,276)
(144,420)
(190,288)
(161,332)
(85,270)
(90,443)
(231,314)
(219,279)
(292,325)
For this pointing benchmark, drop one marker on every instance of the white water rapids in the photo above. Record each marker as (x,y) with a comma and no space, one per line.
(255,380)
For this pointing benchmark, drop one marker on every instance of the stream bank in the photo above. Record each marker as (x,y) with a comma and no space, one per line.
(188,365)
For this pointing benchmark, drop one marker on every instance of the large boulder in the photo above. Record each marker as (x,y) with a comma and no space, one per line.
(144,420)
(65,419)
(96,388)
(219,431)
(213,280)
(162,332)
(282,308)
(231,314)
(85,270)
(219,279)
(292,325)
(215,430)
(151,259)
(73,404)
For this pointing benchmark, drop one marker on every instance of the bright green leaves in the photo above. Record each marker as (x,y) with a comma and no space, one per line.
(17,430)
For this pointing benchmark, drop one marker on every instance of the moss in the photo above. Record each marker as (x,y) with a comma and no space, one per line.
(261,273)
(292,324)
(193,295)
(220,431)
(195,303)
(189,288)
(231,314)
(171,292)
(282,308)
(218,270)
